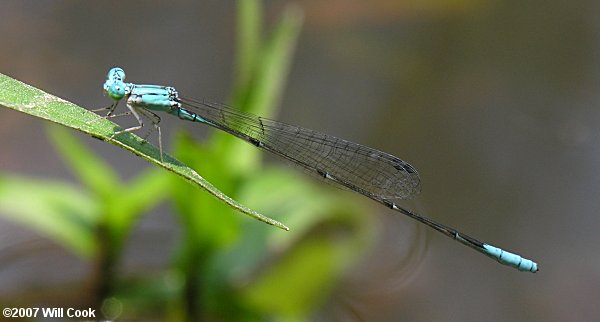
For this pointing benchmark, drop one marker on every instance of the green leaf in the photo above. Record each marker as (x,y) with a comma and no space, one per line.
(30,100)
(260,86)
(98,176)
(205,220)
(310,270)
(123,203)
(57,210)
(249,26)
(274,64)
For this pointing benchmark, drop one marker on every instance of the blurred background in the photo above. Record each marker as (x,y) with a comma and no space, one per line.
(494,102)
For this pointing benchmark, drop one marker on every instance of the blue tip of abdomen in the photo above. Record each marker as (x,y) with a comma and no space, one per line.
(510,259)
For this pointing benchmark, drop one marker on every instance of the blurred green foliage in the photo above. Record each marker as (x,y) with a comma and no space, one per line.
(225,267)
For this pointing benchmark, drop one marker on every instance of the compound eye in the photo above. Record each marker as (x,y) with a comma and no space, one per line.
(116,74)
(115,90)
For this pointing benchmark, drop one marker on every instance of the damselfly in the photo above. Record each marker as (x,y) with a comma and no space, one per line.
(372,173)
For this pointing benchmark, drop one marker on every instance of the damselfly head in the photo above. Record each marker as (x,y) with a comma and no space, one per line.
(114,85)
